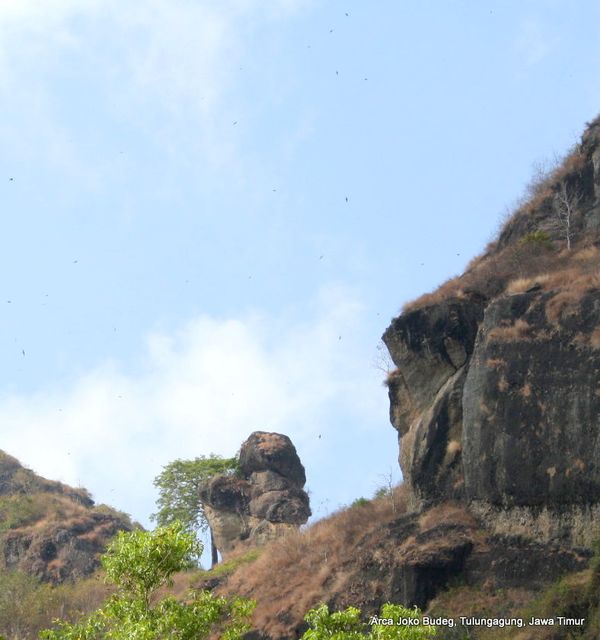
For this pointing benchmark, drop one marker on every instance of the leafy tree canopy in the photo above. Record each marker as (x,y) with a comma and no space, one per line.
(139,563)
(179,485)
(347,625)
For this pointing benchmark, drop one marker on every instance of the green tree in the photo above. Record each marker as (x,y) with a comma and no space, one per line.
(347,625)
(179,493)
(341,625)
(400,630)
(139,563)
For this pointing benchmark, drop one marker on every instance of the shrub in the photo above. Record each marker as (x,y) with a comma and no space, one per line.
(392,624)
(139,563)
(19,510)
(536,241)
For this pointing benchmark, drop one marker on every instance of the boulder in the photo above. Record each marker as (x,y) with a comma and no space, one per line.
(264,501)
(274,452)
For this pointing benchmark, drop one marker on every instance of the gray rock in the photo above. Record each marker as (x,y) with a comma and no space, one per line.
(266,502)
(265,451)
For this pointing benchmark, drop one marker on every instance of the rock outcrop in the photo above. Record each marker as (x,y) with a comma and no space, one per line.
(496,401)
(496,395)
(50,530)
(263,501)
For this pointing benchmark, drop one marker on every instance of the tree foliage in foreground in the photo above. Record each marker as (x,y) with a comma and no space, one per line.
(139,563)
(347,625)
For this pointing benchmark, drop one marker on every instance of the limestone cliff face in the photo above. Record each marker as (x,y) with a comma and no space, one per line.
(264,501)
(431,348)
(496,395)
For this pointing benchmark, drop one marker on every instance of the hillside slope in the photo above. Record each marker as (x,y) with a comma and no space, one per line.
(49,530)
(496,400)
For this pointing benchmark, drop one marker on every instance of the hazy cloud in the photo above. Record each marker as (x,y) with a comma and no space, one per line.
(533,42)
(154,64)
(203,388)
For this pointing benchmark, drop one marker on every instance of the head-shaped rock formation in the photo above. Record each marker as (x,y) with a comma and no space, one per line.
(263,501)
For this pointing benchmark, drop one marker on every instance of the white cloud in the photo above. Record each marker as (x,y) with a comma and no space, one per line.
(180,51)
(156,64)
(533,43)
(201,389)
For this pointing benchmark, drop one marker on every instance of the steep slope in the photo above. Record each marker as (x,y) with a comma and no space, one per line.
(496,395)
(496,400)
(50,530)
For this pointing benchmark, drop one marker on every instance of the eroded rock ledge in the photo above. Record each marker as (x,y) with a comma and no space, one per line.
(496,392)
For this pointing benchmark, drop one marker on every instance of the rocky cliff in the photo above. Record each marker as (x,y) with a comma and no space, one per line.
(496,394)
(265,500)
(496,401)
(48,529)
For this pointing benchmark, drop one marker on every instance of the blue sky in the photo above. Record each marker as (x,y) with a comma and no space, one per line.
(212,209)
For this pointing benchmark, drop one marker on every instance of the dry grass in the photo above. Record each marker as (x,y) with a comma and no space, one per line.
(519,330)
(481,602)
(587,254)
(446,513)
(565,302)
(520,285)
(572,274)
(297,571)
(346,558)
(489,275)
(514,264)
(525,390)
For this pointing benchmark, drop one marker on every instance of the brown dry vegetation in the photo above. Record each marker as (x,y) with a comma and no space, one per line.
(308,566)
(28,606)
(518,330)
(528,250)
(345,559)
